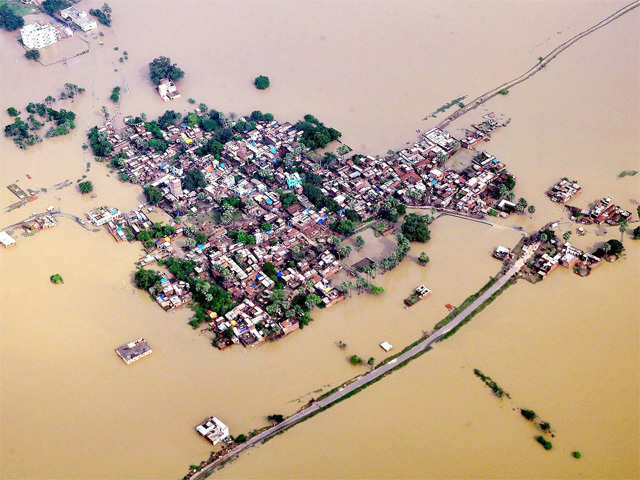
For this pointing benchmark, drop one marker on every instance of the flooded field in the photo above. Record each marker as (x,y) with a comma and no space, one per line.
(69,408)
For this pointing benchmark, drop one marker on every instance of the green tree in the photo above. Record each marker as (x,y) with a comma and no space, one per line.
(161,67)
(8,19)
(355,360)
(13,112)
(344,227)
(193,179)
(344,251)
(423,259)
(415,228)
(146,279)
(85,187)
(32,54)
(359,242)
(376,290)
(99,143)
(566,235)
(153,194)
(261,82)
(623,228)
(52,6)
(115,94)
(531,209)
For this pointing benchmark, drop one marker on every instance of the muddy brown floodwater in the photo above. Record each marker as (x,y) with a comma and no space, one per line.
(567,348)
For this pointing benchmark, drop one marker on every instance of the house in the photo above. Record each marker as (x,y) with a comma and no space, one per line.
(168,90)
(7,240)
(37,35)
(80,18)
(213,430)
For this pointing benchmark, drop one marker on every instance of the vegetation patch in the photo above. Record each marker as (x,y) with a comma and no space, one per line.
(56,278)
(262,82)
(489,382)
(544,442)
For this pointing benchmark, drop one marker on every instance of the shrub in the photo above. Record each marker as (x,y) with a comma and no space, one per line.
(261,82)
(85,187)
(32,54)
(544,442)
(528,414)
(355,360)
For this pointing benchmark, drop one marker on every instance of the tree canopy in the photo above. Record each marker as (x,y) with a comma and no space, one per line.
(162,67)
(99,143)
(261,82)
(315,133)
(52,6)
(9,20)
(193,179)
(153,194)
(415,228)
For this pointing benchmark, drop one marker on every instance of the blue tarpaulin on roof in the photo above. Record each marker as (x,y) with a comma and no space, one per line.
(279,274)
(201,247)
(272,150)
(433,182)
(258,276)
(253,143)
(341,210)
(162,280)
(269,201)
(269,232)
(495,160)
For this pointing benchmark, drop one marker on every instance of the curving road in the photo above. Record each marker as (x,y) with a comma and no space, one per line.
(374,374)
(542,62)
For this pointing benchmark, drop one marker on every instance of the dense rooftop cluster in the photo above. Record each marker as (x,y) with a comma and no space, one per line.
(263,215)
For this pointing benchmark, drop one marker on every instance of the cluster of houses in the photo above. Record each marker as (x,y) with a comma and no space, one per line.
(602,211)
(41,35)
(564,190)
(281,196)
(568,256)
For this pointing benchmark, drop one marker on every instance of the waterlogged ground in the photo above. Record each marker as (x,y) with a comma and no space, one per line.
(567,348)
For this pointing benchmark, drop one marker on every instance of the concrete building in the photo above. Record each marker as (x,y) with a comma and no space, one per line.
(213,430)
(168,90)
(134,351)
(36,35)
(7,240)
(80,18)
(175,187)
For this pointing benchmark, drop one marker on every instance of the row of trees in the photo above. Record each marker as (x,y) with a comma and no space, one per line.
(8,19)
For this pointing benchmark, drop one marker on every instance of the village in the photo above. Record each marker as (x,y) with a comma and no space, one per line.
(261,216)
(258,218)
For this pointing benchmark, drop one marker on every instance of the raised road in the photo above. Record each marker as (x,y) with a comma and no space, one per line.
(374,374)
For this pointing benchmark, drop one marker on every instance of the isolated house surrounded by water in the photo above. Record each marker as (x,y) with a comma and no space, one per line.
(7,240)
(168,90)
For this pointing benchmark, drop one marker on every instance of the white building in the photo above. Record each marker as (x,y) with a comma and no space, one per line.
(168,90)
(101,215)
(175,187)
(213,430)
(80,18)
(36,35)
(6,240)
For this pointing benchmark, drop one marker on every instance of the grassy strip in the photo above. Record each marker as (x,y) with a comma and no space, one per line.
(348,395)
(469,300)
(489,382)
(480,308)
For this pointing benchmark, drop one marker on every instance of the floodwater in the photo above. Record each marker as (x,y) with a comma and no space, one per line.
(69,408)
